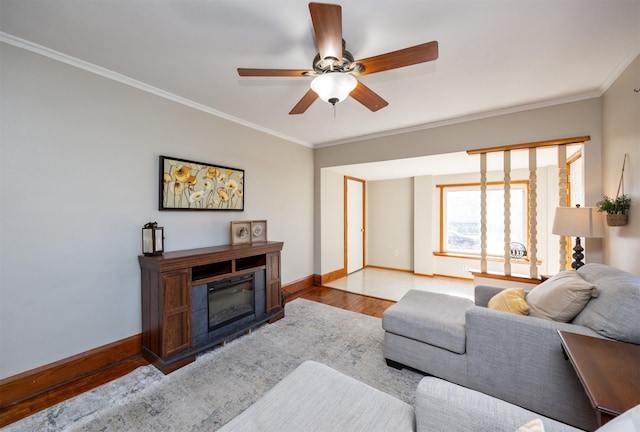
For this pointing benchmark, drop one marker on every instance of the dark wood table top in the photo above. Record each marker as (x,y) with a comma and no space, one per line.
(608,370)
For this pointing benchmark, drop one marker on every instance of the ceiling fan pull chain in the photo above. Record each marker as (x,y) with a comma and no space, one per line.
(334,110)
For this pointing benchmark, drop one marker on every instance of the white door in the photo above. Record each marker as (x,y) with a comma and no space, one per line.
(354,221)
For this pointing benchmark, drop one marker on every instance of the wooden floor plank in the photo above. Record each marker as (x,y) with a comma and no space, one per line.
(56,395)
(345,300)
(330,296)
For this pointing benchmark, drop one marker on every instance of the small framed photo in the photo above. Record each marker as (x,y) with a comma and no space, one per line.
(240,232)
(258,231)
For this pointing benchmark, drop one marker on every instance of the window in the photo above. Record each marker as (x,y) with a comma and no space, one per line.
(460,212)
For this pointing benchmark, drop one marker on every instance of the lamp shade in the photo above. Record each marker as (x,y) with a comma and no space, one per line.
(585,222)
(334,87)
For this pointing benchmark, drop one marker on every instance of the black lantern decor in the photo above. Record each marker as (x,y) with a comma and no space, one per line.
(152,239)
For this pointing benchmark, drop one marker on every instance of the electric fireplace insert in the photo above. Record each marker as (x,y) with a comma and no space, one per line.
(230,300)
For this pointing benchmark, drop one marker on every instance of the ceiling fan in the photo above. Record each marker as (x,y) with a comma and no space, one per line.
(335,69)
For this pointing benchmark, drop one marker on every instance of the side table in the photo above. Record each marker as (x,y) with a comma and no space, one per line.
(608,370)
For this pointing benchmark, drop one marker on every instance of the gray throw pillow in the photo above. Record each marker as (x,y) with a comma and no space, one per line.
(615,313)
(561,297)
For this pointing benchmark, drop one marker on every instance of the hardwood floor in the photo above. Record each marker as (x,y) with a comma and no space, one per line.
(344,300)
(330,296)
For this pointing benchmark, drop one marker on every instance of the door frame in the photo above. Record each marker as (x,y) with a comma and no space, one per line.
(364,220)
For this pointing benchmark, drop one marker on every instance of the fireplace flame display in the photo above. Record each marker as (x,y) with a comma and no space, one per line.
(230,300)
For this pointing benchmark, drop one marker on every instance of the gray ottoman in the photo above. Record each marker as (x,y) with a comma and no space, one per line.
(426,331)
(317,398)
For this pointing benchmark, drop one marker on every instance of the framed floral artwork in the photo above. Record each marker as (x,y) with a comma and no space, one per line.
(191,185)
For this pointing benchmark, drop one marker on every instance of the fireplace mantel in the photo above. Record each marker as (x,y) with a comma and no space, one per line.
(167,283)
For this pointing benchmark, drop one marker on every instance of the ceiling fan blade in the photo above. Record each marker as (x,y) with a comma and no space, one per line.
(305,102)
(273,72)
(396,59)
(368,97)
(327,25)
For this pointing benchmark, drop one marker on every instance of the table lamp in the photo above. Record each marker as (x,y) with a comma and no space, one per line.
(578,222)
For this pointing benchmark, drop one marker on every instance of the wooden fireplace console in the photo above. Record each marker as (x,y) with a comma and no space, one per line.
(166,295)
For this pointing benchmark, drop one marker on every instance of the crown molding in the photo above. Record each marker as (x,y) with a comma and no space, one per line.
(467,118)
(622,66)
(115,76)
(123,79)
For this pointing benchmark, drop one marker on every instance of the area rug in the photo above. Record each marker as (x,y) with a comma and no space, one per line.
(221,383)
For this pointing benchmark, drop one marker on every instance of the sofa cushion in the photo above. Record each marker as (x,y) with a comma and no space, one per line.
(432,318)
(443,406)
(628,421)
(315,397)
(614,314)
(510,300)
(561,297)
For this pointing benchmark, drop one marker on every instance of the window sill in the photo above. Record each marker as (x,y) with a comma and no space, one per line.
(503,277)
(489,258)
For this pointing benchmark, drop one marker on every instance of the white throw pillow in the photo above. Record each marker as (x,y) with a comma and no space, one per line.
(532,426)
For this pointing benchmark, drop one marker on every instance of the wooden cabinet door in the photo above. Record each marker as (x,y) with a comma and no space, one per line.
(274,293)
(176,319)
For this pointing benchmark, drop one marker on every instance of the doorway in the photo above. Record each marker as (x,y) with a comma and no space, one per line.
(354,224)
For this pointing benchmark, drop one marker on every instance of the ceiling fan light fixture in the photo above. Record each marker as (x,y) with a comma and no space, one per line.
(334,87)
(335,69)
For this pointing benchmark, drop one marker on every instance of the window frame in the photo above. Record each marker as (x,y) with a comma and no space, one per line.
(442,188)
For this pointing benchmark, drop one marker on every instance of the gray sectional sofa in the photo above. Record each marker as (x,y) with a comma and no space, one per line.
(316,398)
(511,357)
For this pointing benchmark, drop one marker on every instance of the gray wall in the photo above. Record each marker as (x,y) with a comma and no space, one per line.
(621,134)
(79,179)
(559,121)
(404,215)
(390,223)
(332,218)
(612,121)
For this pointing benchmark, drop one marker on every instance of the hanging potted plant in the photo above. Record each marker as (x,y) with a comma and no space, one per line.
(616,209)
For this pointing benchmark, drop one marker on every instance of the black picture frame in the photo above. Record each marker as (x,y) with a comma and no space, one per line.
(199,186)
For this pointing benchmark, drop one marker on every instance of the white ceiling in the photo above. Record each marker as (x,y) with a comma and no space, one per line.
(495,55)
